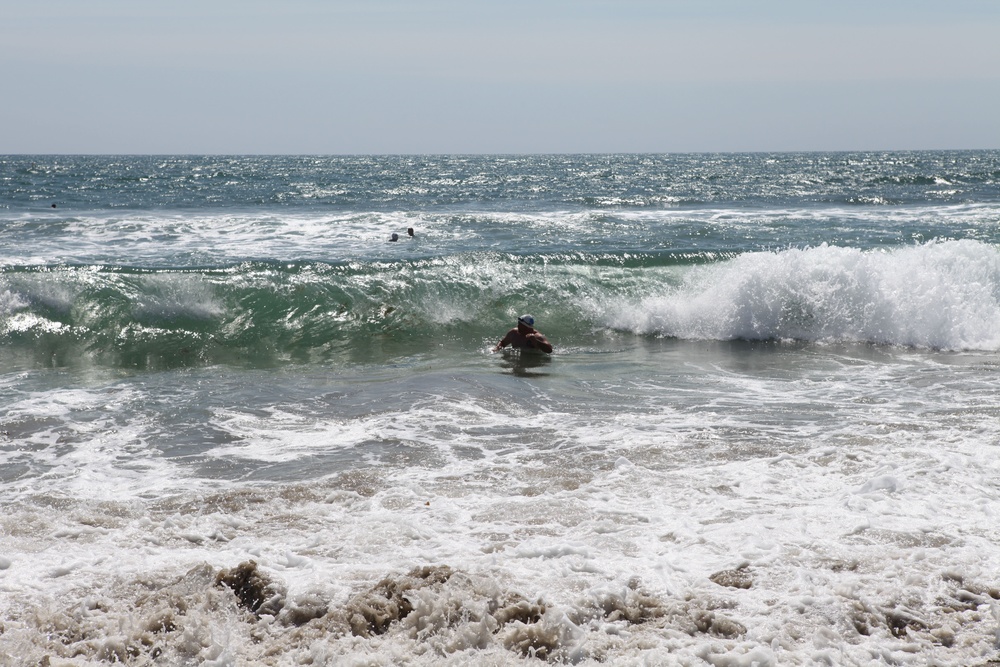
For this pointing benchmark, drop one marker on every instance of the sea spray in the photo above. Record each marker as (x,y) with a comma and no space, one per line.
(941,295)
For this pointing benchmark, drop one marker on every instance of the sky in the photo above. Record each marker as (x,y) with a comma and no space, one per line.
(504,76)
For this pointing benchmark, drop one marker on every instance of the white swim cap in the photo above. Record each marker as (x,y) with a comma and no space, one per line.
(527,319)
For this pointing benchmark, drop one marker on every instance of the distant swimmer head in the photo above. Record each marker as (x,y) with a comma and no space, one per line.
(409,231)
(394,237)
(526,320)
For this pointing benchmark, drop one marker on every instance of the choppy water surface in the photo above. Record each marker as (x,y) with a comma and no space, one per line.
(240,426)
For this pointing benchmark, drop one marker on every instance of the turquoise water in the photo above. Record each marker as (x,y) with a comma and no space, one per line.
(149,261)
(782,365)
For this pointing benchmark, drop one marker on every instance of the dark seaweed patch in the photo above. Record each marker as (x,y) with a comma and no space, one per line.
(253,589)
(372,612)
(709,622)
(740,577)
(520,611)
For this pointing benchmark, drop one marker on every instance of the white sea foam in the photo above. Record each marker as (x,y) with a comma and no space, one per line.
(81,441)
(211,240)
(202,239)
(943,295)
(10,302)
(834,508)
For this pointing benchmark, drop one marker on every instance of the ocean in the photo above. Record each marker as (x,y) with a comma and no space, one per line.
(241,426)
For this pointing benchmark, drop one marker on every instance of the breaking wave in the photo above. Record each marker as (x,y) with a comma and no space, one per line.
(939,295)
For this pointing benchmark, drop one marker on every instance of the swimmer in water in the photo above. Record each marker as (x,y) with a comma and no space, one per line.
(525,335)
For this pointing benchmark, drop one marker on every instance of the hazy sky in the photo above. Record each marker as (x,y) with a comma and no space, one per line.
(505,76)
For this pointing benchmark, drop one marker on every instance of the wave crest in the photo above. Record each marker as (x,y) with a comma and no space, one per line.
(940,295)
